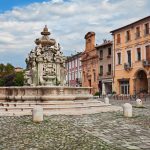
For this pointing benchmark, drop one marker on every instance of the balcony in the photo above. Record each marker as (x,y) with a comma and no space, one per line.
(109,56)
(78,80)
(100,74)
(108,73)
(127,66)
(146,63)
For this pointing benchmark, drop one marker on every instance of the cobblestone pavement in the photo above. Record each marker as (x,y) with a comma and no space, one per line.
(103,131)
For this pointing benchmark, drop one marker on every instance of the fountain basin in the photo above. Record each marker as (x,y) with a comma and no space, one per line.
(44,93)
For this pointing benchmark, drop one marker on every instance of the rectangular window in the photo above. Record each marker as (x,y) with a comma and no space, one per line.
(69,65)
(79,62)
(72,64)
(76,62)
(101,70)
(129,58)
(138,54)
(69,76)
(147,29)
(101,54)
(118,39)
(94,74)
(137,32)
(109,51)
(109,69)
(124,87)
(148,53)
(128,36)
(119,58)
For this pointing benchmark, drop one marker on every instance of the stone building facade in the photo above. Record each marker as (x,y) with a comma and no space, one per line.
(90,65)
(105,54)
(132,57)
(74,70)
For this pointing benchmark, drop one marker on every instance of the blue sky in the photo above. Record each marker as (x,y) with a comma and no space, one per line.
(9,4)
(21,22)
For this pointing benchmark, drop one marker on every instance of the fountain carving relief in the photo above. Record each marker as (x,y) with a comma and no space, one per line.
(45,63)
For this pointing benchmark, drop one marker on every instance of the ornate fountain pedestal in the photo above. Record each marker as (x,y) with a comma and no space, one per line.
(45,63)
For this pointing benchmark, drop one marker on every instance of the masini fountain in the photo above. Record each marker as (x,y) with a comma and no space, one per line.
(45,75)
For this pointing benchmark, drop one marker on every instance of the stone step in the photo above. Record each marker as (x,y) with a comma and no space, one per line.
(50,103)
(82,105)
(76,111)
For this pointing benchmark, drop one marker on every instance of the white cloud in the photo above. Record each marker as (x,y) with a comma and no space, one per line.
(68,22)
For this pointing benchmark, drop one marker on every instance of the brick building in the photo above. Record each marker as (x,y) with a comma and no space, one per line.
(74,70)
(90,65)
(105,54)
(132,57)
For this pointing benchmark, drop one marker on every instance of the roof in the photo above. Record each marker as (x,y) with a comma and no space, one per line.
(73,56)
(104,44)
(148,17)
(18,68)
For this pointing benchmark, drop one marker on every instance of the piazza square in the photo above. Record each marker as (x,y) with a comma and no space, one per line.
(75,75)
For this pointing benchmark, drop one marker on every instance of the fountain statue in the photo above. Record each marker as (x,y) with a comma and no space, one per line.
(46,63)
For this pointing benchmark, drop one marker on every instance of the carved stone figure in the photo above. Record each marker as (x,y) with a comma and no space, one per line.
(45,64)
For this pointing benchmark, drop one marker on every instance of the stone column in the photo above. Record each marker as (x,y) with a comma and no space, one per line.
(103,89)
(148,79)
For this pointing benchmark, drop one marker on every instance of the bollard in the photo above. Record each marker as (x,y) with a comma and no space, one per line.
(106,100)
(139,103)
(37,114)
(127,110)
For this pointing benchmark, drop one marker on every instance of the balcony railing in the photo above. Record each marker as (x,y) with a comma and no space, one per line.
(101,74)
(127,66)
(146,63)
(109,73)
(109,56)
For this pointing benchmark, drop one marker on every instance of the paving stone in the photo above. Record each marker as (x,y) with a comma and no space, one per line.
(106,131)
(133,147)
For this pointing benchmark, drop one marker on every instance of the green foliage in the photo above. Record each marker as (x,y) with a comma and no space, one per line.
(96,94)
(2,82)
(19,79)
(9,68)
(113,92)
(8,76)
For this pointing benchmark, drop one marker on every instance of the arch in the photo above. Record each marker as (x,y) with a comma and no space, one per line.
(141,81)
(137,71)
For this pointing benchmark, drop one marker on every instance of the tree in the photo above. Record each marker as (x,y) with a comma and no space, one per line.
(19,79)
(9,68)
(8,76)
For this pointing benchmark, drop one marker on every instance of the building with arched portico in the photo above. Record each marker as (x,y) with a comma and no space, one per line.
(132,58)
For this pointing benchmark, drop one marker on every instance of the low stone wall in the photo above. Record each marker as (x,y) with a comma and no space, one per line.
(44,93)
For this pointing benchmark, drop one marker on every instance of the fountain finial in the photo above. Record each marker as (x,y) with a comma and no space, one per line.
(45,31)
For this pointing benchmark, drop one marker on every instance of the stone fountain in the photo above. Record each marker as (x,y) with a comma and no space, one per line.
(45,75)
(46,63)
